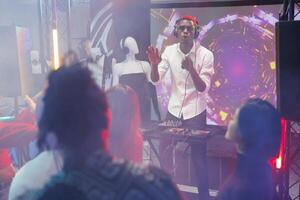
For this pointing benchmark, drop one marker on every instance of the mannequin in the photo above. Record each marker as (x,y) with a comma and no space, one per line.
(130,65)
(98,62)
(136,74)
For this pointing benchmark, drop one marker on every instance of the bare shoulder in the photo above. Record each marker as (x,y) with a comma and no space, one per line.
(145,63)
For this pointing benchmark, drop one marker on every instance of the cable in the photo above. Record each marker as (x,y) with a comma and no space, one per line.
(183,95)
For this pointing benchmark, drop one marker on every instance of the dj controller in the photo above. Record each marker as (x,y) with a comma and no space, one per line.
(175,131)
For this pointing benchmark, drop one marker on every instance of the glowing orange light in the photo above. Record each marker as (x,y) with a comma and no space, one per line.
(272,65)
(223,115)
(55,49)
(217,83)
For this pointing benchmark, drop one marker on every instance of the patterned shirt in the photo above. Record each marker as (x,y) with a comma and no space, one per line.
(103,177)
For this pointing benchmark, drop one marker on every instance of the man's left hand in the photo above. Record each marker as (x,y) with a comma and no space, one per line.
(187,64)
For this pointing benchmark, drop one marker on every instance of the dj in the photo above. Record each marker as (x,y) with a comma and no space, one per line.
(191,67)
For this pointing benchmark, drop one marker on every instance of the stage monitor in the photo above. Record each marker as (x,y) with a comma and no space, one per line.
(288,68)
(242,39)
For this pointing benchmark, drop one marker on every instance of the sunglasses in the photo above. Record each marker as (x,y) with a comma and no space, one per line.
(188,28)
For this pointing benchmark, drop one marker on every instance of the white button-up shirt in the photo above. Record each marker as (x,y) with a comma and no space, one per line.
(35,174)
(185,100)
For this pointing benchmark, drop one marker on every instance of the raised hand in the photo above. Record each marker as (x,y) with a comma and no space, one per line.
(153,56)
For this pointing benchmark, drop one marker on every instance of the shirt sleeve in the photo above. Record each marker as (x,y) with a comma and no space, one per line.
(163,66)
(207,69)
(18,186)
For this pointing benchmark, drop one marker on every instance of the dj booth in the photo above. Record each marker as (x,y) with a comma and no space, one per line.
(177,134)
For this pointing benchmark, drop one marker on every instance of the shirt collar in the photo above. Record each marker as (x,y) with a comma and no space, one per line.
(192,51)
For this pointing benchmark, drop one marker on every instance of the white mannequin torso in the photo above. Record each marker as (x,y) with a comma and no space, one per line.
(130,66)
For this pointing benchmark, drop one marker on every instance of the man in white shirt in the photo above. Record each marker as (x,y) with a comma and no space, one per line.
(191,67)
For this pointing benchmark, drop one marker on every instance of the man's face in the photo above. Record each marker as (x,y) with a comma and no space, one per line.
(186,30)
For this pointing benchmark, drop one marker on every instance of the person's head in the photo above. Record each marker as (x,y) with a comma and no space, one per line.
(129,45)
(256,128)
(186,28)
(124,107)
(125,121)
(70,58)
(74,111)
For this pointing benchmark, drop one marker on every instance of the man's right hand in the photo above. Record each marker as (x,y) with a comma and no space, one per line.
(153,56)
(154,59)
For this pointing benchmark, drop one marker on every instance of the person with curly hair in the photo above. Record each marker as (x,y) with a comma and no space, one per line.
(75,121)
